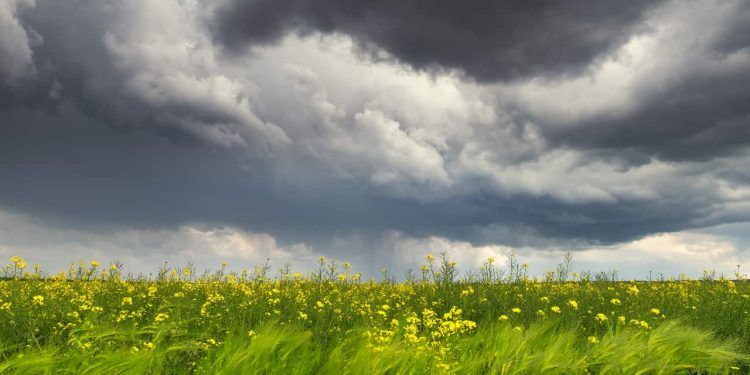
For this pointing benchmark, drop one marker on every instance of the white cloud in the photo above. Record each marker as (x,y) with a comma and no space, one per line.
(421,136)
(670,254)
(163,58)
(143,250)
(16,57)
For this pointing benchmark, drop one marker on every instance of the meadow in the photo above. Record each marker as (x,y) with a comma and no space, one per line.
(93,319)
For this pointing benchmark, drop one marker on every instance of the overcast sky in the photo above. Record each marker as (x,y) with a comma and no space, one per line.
(376,132)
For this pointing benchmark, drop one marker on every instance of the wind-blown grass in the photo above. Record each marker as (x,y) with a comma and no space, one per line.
(544,348)
(94,321)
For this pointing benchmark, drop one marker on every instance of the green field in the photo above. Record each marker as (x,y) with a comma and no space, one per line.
(94,320)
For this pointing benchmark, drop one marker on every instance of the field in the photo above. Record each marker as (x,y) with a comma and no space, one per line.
(94,320)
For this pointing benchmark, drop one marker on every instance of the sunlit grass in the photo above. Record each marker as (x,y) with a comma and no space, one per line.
(93,320)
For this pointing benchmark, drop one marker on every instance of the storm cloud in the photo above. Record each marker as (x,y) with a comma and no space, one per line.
(488,40)
(677,92)
(359,129)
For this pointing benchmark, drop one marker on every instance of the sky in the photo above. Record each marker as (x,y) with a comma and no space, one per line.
(376,132)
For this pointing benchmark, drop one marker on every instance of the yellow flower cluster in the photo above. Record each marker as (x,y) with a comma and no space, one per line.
(428,331)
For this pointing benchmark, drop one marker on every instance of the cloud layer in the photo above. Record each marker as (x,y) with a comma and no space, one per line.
(333,126)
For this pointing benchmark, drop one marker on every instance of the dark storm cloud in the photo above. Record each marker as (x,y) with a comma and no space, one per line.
(697,120)
(66,166)
(127,119)
(489,40)
(688,93)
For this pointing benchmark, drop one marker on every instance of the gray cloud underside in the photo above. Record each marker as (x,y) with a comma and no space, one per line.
(83,172)
(488,40)
(690,93)
(130,114)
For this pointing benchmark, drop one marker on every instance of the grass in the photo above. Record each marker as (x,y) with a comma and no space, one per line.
(543,348)
(95,321)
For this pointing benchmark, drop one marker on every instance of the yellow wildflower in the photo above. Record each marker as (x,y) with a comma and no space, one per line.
(633,290)
(160,317)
